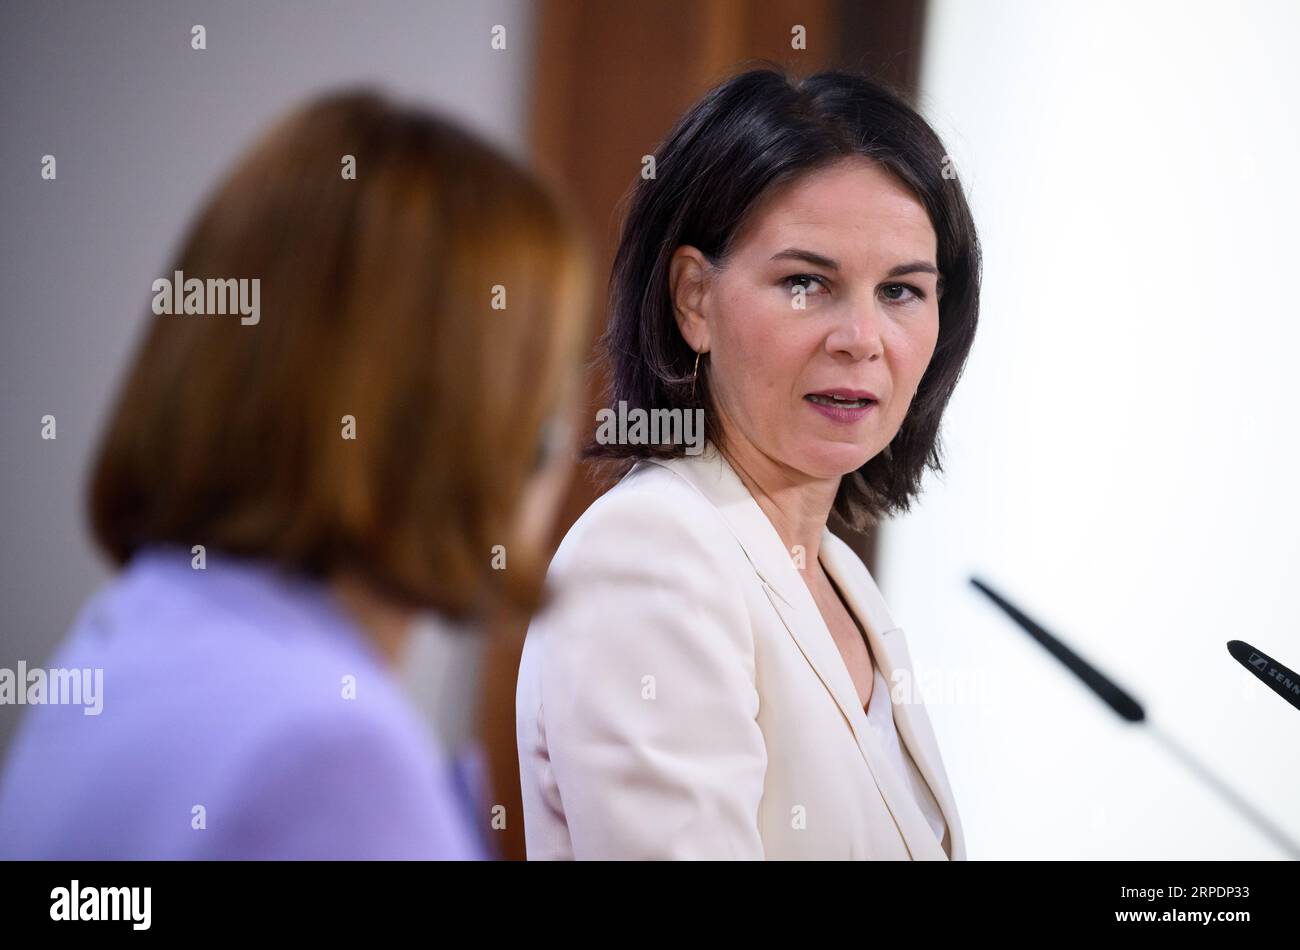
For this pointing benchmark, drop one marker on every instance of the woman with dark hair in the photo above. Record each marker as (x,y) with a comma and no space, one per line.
(714,678)
(286,496)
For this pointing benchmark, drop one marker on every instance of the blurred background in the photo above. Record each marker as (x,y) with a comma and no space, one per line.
(1120,453)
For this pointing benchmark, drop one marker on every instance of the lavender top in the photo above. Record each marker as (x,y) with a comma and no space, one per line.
(226,731)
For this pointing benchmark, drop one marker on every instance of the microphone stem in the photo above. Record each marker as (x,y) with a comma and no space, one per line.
(1269,829)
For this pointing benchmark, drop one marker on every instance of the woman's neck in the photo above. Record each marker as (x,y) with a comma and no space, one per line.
(798,506)
(387,625)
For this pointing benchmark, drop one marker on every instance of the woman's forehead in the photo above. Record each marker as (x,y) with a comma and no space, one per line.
(842,212)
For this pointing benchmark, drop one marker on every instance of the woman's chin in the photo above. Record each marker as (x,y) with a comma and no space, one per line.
(834,459)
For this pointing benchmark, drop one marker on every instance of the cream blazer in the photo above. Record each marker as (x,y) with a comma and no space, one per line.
(683,697)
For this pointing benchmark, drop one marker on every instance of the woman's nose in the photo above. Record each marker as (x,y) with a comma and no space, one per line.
(857,333)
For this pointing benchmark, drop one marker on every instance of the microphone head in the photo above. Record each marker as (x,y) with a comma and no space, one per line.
(1267,670)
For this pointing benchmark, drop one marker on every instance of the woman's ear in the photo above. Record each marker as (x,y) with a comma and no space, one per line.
(689,276)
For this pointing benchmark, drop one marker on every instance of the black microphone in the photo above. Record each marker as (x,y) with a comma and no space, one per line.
(1267,670)
(1131,710)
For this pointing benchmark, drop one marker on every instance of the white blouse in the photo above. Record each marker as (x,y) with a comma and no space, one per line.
(880,714)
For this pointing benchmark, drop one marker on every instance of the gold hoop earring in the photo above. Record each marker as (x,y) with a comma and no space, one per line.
(695,375)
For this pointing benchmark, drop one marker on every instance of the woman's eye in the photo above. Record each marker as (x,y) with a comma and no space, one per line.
(889,289)
(793,282)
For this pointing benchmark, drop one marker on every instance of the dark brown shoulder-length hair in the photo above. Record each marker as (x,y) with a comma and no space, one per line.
(758,130)
(414,280)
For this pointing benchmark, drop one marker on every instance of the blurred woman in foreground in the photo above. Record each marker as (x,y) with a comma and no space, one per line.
(285,495)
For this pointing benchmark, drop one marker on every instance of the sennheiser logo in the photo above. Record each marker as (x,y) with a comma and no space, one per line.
(1286,681)
(1261,663)
(102,903)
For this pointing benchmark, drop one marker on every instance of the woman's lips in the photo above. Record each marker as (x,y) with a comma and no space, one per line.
(845,411)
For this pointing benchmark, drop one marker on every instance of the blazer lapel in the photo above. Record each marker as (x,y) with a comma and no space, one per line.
(716,480)
(889,648)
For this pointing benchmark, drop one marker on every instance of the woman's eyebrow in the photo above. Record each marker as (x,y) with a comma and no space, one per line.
(914,267)
(821,260)
(798,254)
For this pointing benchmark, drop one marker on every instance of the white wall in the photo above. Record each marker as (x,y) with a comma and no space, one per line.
(1122,451)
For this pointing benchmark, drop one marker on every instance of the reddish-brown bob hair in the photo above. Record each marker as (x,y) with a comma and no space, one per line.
(380,300)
